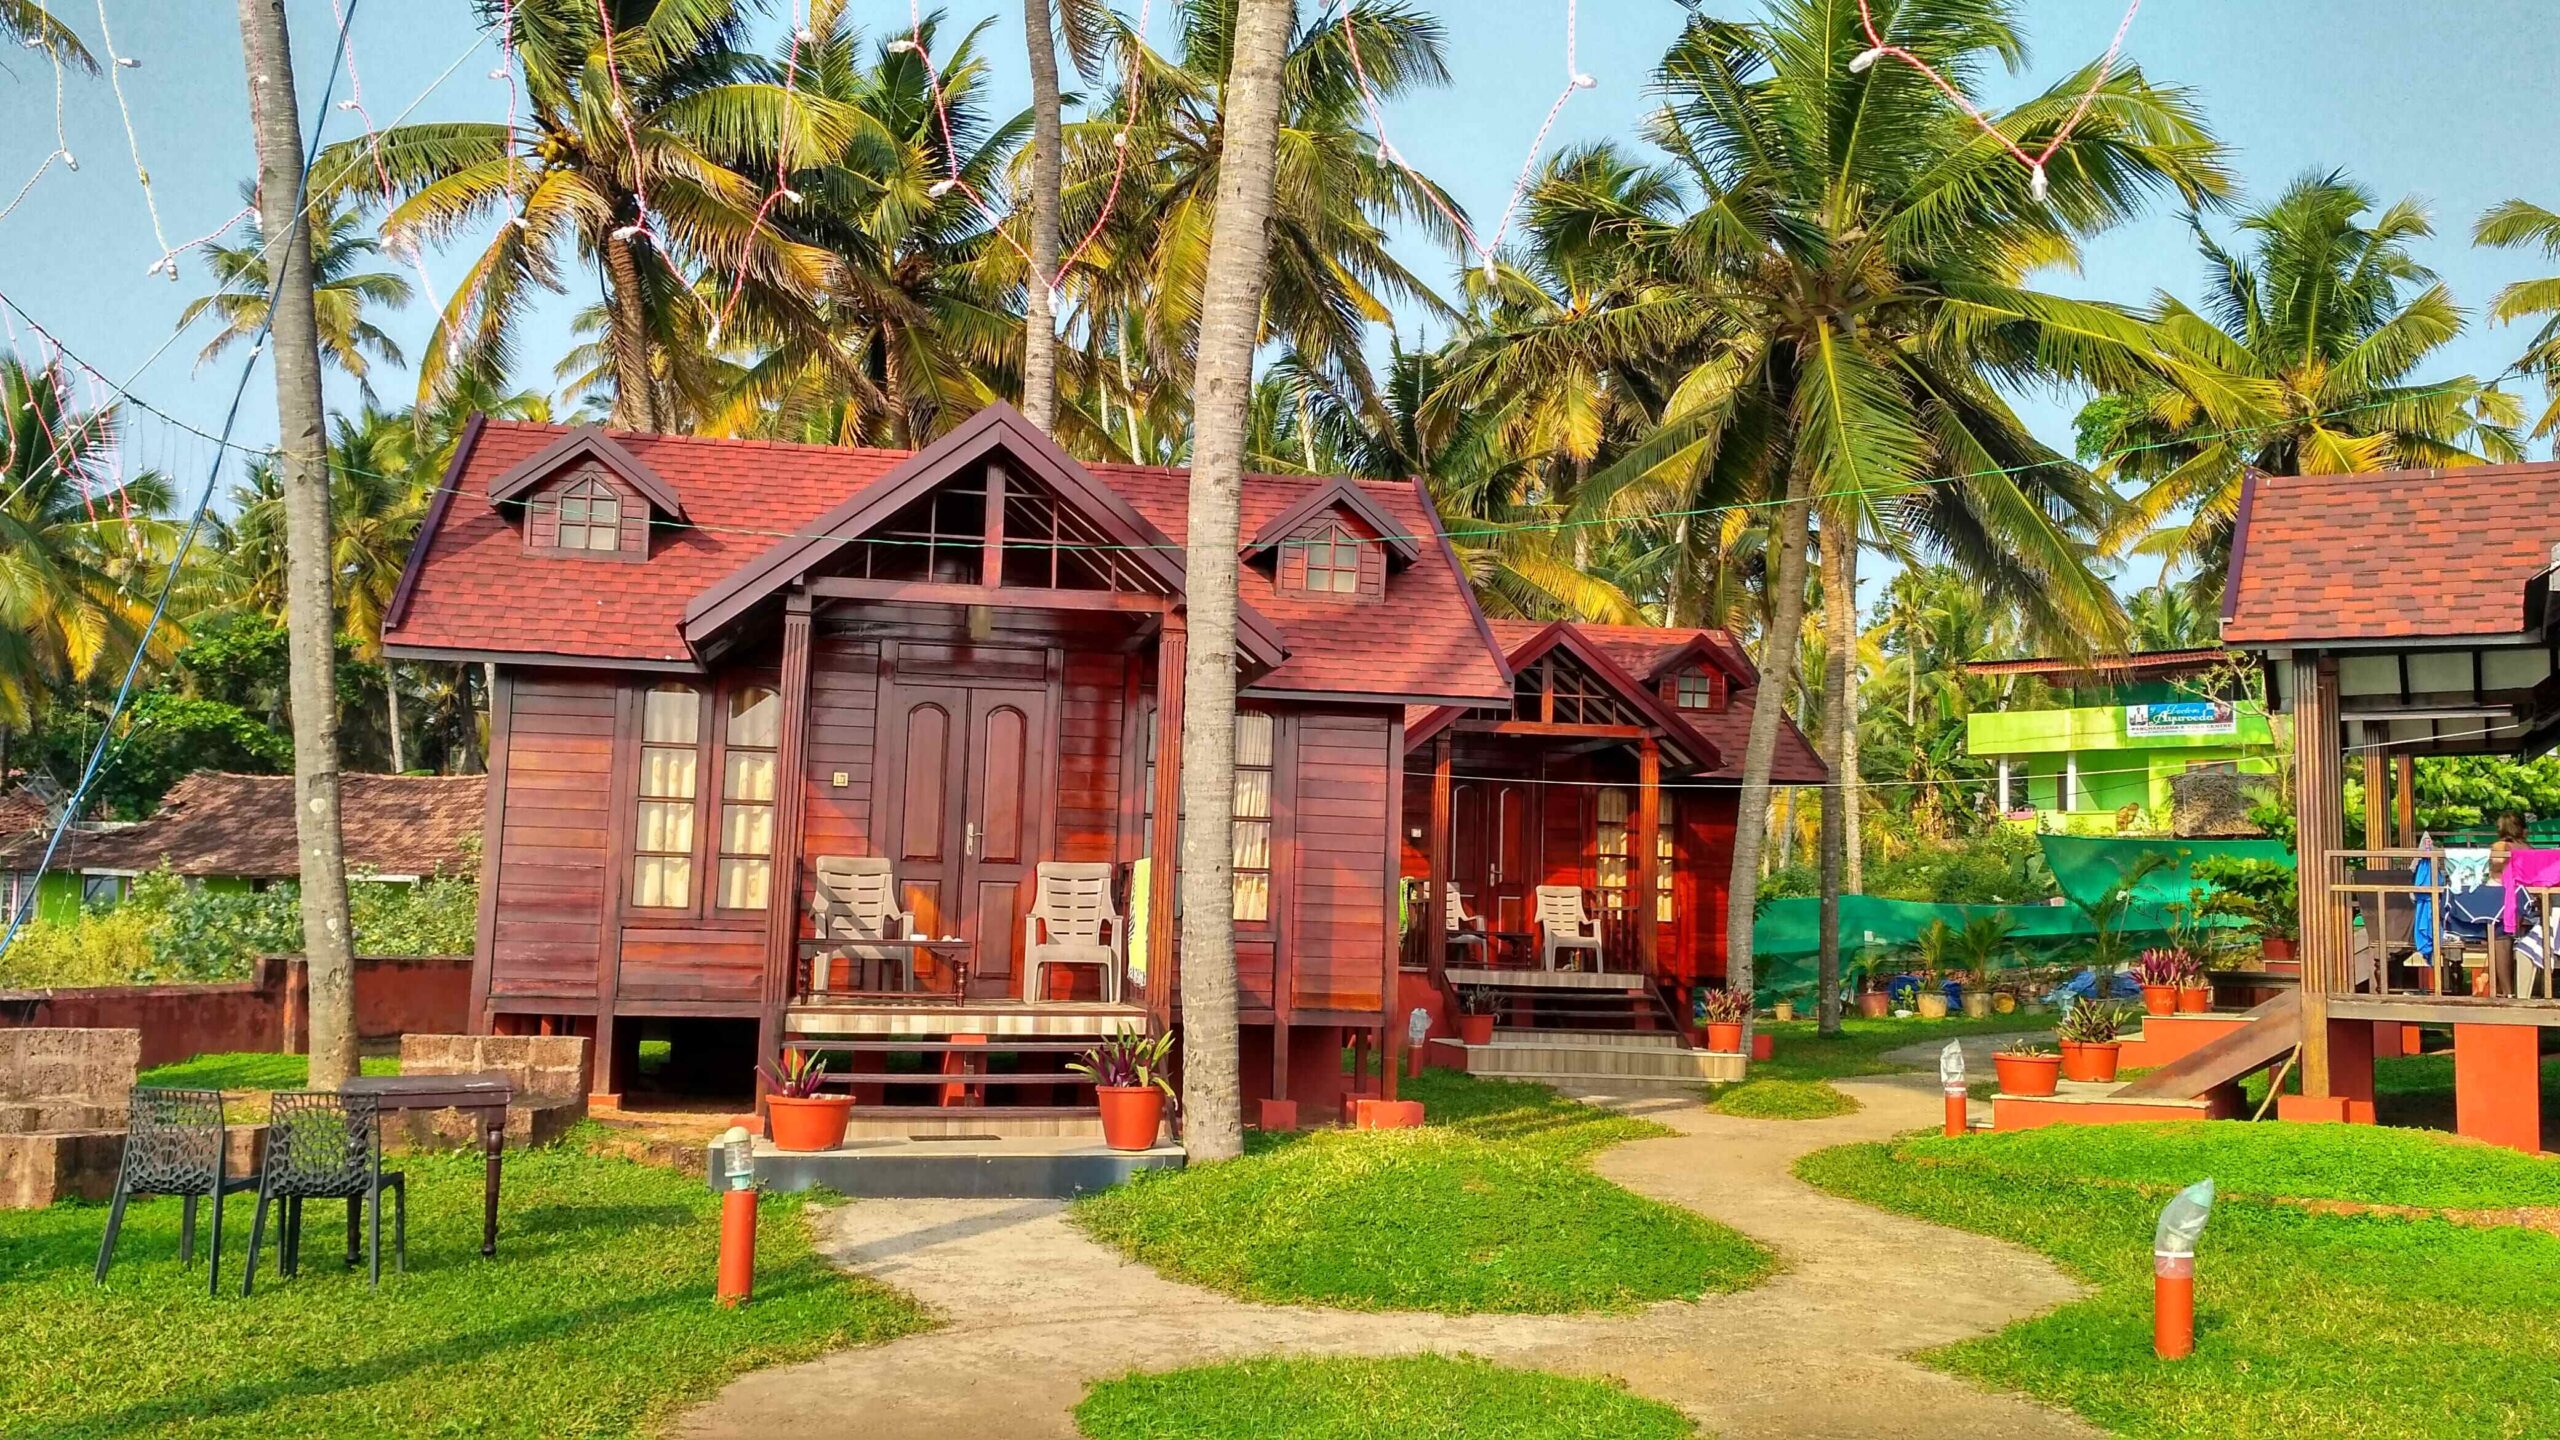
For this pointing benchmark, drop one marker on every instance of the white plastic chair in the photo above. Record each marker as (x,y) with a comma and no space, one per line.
(857,899)
(1463,928)
(1564,925)
(1073,907)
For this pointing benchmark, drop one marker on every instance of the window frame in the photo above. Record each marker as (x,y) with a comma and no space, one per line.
(1268,820)
(1708,694)
(703,758)
(1271,844)
(1334,540)
(720,855)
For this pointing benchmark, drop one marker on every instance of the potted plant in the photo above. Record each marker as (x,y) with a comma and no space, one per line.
(1476,1004)
(1784,1010)
(1933,957)
(2029,1070)
(2160,972)
(2195,991)
(1131,1082)
(1874,1003)
(796,1115)
(1982,944)
(2264,895)
(1723,1012)
(2088,1039)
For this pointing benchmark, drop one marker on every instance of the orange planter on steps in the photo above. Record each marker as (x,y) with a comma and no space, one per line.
(2159,999)
(1131,1115)
(2195,999)
(1725,1035)
(2083,1061)
(815,1122)
(2027,1074)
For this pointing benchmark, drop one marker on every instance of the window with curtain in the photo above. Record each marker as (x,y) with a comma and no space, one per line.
(1663,849)
(748,774)
(590,517)
(670,762)
(1612,811)
(1253,816)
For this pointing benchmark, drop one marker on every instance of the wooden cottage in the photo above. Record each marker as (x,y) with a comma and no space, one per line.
(731,673)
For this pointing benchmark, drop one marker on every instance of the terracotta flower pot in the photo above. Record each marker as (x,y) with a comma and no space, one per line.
(1783,1010)
(1725,1035)
(2084,1061)
(2005,1004)
(1932,1004)
(2027,1074)
(1131,1115)
(1976,1004)
(2275,947)
(814,1122)
(2159,999)
(2194,999)
(1475,1030)
(1875,1005)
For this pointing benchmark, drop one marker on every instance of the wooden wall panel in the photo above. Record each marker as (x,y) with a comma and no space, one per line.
(554,821)
(1705,880)
(1340,799)
(1088,771)
(844,697)
(712,966)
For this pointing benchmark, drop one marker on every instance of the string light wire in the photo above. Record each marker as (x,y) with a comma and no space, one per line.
(118,63)
(2036,183)
(61,143)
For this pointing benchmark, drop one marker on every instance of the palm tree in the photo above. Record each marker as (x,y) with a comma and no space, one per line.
(647,145)
(24,22)
(2522,224)
(1853,285)
(341,292)
(81,545)
(2299,362)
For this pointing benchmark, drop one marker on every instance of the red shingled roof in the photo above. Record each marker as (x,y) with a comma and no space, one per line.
(217,823)
(2401,553)
(2140,662)
(1643,649)
(474,588)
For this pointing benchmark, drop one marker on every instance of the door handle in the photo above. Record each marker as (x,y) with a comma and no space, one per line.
(969,841)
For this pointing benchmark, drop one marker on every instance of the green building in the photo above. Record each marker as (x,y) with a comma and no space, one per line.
(2091,747)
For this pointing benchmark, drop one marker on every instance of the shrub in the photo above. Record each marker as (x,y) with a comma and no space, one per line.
(106,948)
(439,915)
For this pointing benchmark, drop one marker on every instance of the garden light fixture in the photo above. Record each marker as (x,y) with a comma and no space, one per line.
(2173,1271)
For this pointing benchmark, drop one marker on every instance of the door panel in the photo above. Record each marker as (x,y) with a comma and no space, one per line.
(1514,879)
(1006,790)
(923,821)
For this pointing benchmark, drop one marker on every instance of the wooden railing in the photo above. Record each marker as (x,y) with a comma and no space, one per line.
(2370,899)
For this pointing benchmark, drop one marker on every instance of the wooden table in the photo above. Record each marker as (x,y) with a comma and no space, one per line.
(487,1095)
(819,952)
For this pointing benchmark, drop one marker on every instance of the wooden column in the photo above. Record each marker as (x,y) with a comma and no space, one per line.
(1390,1018)
(2404,798)
(790,803)
(493,834)
(2320,821)
(1435,921)
(2377,790)
(1643,902)
(1163,953)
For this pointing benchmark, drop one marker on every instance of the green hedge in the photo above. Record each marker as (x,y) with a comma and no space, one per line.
(166,931)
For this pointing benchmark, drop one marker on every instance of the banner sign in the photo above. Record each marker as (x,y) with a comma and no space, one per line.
(2182,717)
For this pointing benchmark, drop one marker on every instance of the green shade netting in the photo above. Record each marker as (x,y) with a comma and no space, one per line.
(2086,867)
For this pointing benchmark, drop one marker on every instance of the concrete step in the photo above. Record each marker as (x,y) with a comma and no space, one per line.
(1540,1035)
(960,1167)
(1513,1059)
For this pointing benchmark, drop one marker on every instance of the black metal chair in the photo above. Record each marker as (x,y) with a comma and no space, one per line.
(174,1144)
(322,1145)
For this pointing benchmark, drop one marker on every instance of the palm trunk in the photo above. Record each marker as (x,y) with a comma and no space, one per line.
(1786,827)
(1040,322)
(1760,754)
(1833,729)
(1222,389)
(635,397)
(301,464)
(1844,635)
(391,715)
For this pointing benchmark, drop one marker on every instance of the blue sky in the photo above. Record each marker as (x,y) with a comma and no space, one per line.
(2448,103)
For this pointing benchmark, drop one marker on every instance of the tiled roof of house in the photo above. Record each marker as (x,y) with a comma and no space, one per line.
(2398,554)
(217,823)
(475,588)
(1642,649)
(2141,662)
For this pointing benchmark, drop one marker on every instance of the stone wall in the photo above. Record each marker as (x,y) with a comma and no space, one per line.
(549,1073)
(55,1078)
(267,1012)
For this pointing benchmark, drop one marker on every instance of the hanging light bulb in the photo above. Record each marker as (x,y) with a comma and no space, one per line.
(630,232)
(902,47)
(347,105)
(519,222)
(1866,60)
(712,339)
(791,197)
(1120,139)
(497,72)
(1585,82)
(128,62)
(805,35)
(940,188)
(2036,185)
(1490,275)
(70,160)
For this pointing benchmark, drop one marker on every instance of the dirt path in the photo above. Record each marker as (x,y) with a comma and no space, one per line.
(1034,1312)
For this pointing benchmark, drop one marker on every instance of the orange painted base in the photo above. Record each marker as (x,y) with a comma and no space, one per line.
(1386,1114)
(2028,1112)
(1764,1046)
(1279,1115)
(737,1246)
(2497,1088)
(2167,1038)
(2324,1109)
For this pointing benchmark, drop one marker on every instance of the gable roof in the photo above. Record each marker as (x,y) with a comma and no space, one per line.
(214,823)
(1338,495)
(472,590)
(2107,667)
(2394,555)
(588,442)
(1693,751)
(1653,651)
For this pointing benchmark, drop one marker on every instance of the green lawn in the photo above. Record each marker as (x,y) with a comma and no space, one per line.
(1799,1053)
(1423,1397)
(2308,1323)
(1757,1099)
(596,1317)
(1487,1208)
(2418,1090)
(252,1071)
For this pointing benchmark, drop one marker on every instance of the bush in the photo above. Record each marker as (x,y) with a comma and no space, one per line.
(107,948)
(206,935)
(439,915)
(168,932)
(2003,866)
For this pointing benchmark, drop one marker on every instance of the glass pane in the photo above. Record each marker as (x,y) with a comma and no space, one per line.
(750,775)
(602,535)
(1253,738)
(755,719)
(1253,794)
(1613,877)
(746,829)
(1253,897)
(745,884)
(662,881)
(573,510)
(671,716)
(667,773)
(1253,845)
(606,509)
(1613,806)
(666,825)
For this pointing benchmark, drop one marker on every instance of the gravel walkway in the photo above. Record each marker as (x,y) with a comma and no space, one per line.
(1034,1312)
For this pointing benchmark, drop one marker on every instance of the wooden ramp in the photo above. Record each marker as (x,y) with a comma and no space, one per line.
(2274,1028)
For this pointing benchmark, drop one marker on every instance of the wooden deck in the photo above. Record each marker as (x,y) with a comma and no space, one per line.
(809,1019)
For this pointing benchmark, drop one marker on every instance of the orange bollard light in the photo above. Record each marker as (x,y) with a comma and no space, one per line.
(2173,1306)
(1951,1078)
(733,1172)
(1957,1119)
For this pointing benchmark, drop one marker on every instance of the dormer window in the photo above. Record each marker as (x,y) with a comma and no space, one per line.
(1699,689)
(590,517)
(1332,557)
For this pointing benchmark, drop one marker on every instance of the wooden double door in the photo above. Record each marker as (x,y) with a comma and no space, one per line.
(1495,855)
(963,801)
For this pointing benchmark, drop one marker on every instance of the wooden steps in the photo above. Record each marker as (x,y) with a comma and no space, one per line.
(960,1166)
(1549,1057)
(2082,1103)
(2273,1029)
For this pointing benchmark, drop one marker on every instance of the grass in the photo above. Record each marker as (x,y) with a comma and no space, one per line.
(2414,1090)
(596,1317)
(1780,1100)
(2308,1323)
(252,1071)
(1489,1208)
(1799,1053)
(1423,1397)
